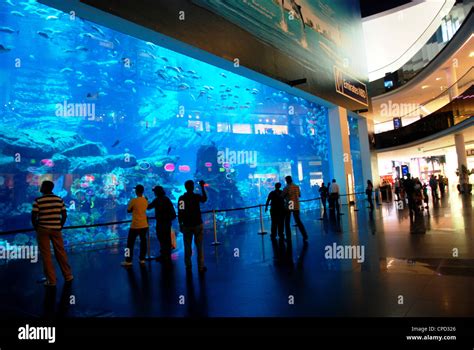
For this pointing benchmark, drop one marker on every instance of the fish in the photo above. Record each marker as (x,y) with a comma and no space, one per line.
(134,90)
(43,34)
(66,70)
(191,72)
(175,69)
(160,90)
(115,143)
(4,49)
(98,30)
(129,82)
(81,48)
(87,35)
(68,51)
(51,18)
(183,86)
(169,149)
(17,13)
(150,44)
(223,75)
(47,162)
(8,30)
(9,2)
(164,59)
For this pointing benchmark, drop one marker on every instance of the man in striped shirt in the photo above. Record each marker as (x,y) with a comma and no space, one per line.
(48,218)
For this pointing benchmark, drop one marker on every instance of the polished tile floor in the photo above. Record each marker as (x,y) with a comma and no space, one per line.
(410,269)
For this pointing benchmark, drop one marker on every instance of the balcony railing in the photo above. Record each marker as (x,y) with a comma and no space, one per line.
(448,100)
(450,25)
(456,112)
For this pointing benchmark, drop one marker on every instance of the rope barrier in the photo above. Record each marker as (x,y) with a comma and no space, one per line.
(214,211)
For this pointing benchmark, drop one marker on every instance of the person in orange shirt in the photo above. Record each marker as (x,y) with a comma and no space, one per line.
(139,227)
(292,195)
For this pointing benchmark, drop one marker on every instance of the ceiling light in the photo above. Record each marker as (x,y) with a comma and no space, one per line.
(424,86)
(438,78)
(471,54)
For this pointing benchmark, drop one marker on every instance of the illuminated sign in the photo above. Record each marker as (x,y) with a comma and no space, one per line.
(350,87)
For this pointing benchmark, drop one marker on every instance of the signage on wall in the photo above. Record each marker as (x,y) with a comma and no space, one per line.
(350,87)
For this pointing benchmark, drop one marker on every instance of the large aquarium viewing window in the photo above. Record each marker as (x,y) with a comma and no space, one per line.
(98,112)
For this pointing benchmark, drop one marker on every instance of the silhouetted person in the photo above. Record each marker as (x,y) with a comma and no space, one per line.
(369,191)
(426,197)
(434,187)
(277,211)
(397,188)
(323,194)
(409,187)
(164,214)
(139,227)
(48,218)
(190,223)
(334,196)
(442,185)
(292,195)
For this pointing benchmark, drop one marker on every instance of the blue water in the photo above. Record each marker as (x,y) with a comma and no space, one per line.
(137,113)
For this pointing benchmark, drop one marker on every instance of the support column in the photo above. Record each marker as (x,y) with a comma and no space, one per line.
(451,79)
(462,158)
(365,150)
(340,166)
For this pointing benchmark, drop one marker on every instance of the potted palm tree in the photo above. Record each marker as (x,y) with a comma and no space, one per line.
(464,186)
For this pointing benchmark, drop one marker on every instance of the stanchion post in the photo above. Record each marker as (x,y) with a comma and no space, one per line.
(149,257)
(215,243)
(262,228)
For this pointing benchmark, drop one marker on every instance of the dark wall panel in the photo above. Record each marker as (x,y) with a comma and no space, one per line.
(210,32)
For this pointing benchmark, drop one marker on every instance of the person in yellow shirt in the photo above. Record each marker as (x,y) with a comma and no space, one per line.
(139,227)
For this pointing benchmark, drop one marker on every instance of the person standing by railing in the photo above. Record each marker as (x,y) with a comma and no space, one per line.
(277,211)
(369,191)
(191,224)
(139,227)
(334,196)
(323,194)
(48,218)
(292,195)
(164,214)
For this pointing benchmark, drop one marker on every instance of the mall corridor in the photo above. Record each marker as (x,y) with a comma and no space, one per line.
(409,269)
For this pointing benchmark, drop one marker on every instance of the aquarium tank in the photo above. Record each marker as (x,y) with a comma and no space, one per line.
(98,111)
